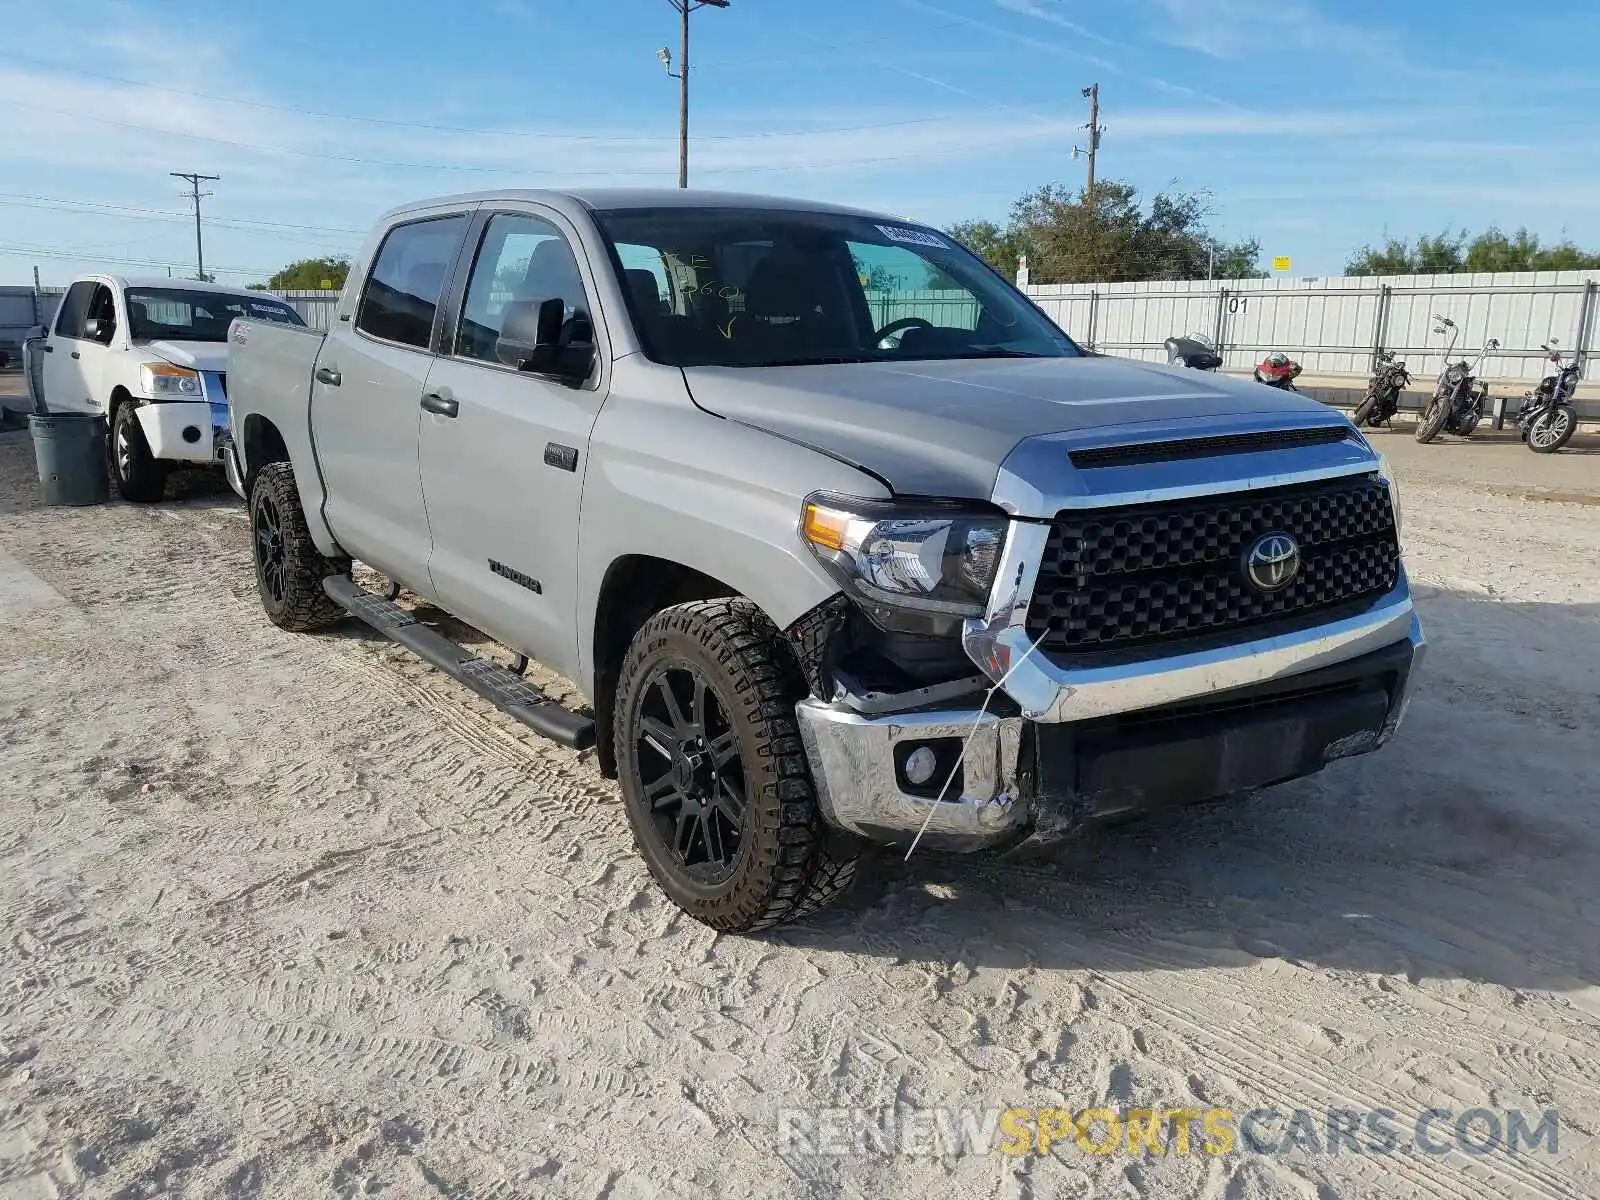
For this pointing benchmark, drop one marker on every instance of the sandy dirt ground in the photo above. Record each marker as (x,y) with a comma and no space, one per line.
(287,916)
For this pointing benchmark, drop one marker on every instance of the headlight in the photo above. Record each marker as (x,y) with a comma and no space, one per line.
(929,559)
(163,379)
(1387,472)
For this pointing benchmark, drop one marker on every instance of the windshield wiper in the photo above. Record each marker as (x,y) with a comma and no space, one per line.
(990,352)
(818,360)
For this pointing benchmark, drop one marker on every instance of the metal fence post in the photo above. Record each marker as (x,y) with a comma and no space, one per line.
(1094,317)
(1222,310)
(1380,325)
(1585,320)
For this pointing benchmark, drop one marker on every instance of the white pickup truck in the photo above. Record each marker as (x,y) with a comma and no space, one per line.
(151,354)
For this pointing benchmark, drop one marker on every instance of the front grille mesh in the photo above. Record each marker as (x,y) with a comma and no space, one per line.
(1116,579)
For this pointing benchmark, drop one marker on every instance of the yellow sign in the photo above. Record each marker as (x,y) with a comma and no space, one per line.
(1280,263)
(327,284)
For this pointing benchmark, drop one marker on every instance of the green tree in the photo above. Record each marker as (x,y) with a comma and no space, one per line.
(310,274)
(1442,254)
(990,243)
(1491,250)
(1393,258)
(1070,238)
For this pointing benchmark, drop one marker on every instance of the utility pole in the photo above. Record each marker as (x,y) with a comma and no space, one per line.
(684,8)
(1092,92)
(196,195)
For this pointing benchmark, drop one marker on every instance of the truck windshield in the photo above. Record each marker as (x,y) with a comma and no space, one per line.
(176,314)
(742,287)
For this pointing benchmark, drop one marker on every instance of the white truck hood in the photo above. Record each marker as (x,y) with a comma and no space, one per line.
(197,356)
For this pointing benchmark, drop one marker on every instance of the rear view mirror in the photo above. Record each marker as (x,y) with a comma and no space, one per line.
(1494,343)
(537,337)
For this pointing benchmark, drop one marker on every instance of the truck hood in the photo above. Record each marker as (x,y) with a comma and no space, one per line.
(943,428)
(197,356)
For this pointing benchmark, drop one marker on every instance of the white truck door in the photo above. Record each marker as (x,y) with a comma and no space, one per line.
(95,354)
(66,388)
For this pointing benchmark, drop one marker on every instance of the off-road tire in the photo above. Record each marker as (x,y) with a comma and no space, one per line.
(1364,410)
(789,864)
(142,478)
(1433,420)
(1551,448)
(303,607)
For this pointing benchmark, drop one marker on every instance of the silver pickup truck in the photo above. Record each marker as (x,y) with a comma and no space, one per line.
(843,541)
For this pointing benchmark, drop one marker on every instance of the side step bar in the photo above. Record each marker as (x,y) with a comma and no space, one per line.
(494,683)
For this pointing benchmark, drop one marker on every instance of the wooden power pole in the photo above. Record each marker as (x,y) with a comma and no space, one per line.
(1095,130)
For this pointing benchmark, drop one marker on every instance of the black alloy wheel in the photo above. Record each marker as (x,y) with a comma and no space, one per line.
(271,557)
(686,752)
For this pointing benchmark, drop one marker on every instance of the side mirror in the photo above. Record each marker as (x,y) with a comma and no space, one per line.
(1494,343)
(535,337)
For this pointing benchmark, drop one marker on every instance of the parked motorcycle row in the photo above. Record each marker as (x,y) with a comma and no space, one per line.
(1546,418)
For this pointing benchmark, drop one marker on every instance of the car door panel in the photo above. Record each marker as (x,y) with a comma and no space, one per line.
(366,390)
(66,389)
(503,451)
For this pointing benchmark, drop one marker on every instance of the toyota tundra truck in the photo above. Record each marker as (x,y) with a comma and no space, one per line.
(841,540)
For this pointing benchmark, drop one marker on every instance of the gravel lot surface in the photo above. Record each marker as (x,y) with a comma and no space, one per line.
(288,916)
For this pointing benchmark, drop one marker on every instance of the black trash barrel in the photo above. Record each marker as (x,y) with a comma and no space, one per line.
(70,449)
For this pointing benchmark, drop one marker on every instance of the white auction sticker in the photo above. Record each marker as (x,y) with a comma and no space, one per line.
(913,237)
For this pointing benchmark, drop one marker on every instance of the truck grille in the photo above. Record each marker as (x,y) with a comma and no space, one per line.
(1123,578)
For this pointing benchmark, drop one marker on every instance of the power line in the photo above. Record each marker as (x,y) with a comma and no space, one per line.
(506,170)
(135,213)
(195,194)
(623,139)
(72,255)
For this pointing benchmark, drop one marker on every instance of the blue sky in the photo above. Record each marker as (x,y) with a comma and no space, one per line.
(1312,125)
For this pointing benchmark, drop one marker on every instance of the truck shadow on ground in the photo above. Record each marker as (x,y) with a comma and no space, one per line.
(1466,849)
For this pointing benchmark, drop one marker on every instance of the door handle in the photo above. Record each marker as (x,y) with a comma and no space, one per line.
(75,354)
(439,405)
(329,376)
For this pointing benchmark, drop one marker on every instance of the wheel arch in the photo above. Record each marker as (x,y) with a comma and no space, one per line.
(634,588)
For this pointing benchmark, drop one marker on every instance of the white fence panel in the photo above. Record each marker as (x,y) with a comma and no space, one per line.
(1334,326)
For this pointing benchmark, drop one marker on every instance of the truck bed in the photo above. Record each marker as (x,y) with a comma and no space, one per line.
(269,372)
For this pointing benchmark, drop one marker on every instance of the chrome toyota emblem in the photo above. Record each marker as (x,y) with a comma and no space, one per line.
(1272,562)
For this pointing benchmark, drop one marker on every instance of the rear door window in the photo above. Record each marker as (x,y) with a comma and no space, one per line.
(75,309)
(401,297)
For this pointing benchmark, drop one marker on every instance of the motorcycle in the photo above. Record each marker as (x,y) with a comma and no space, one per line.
(1458,395)
(1278,370)
(1547,419)
(1195,351)
(1383,391)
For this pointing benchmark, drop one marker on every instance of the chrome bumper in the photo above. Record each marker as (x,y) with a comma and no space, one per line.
(853,756)
(853,763)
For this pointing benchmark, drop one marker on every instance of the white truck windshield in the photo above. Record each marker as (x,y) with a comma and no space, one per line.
(177,314)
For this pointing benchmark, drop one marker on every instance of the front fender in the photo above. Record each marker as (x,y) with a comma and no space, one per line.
(667,480)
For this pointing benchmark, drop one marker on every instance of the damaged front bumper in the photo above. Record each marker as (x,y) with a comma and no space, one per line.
(1061,751)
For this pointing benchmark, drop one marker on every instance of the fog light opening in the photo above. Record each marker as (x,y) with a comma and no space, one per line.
(191,434)
(921,763)
(929,769)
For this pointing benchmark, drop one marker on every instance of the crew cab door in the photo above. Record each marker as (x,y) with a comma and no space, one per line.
(67,387)
(504,451)
(368,381)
